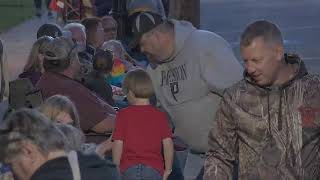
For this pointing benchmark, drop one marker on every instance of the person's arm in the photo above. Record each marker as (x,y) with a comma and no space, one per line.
(104,147)
(168,152)
(222,155)
(117,138)
(105,125)
(117,148)
(219,67)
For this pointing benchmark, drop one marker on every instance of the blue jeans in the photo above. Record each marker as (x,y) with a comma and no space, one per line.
(141,172)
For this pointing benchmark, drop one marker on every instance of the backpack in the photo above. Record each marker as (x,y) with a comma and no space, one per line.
(23,94)
(3,84)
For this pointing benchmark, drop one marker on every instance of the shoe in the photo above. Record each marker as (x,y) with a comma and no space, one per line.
(38,12)
(50,14)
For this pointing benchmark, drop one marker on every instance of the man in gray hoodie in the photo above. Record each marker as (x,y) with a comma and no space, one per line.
(190,69)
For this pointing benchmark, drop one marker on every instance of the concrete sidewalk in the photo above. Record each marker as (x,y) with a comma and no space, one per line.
(18,42)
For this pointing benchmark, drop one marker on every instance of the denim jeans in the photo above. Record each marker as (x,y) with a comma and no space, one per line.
(38,3)
(191,165)
(141,172)
(176,173)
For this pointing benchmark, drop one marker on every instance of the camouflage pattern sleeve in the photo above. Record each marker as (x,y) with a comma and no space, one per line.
(220,160)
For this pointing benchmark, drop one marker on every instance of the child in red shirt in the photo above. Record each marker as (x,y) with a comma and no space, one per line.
(142,148)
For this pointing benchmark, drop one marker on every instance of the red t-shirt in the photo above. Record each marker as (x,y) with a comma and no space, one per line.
(142,129)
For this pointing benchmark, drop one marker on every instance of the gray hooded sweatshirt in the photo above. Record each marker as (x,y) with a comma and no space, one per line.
(190,84)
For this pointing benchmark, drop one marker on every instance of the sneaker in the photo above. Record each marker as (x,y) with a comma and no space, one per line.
(50,14)
(38,12)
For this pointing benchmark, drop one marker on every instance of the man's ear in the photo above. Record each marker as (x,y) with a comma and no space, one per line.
(30,151)
(279,52)
(157,35)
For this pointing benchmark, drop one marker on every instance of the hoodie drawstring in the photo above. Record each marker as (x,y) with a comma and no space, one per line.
(269,120)
(280,111)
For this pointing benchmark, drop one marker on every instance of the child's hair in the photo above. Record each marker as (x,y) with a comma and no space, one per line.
(103,61)
(139,82)
(74,136)
(57,104)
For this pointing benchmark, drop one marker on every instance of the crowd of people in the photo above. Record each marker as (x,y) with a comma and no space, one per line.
(190,112)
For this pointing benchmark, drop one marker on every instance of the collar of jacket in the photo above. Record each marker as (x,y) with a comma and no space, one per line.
(289,59)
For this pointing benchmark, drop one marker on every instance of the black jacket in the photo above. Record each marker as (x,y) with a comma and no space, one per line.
(96,82)
(91,168)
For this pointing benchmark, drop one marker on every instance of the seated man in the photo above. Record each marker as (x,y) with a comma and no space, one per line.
(268,123)
(78,35)
(61,65)
(94,33)
(35,149)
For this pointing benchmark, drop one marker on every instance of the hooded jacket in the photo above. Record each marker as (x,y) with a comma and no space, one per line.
(265,133)
(190,84)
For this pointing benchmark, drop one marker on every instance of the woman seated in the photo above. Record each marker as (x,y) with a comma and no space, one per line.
(122,62)
(33,69)
(60,109)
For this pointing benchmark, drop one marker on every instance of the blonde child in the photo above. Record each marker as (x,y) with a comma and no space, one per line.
(141,132)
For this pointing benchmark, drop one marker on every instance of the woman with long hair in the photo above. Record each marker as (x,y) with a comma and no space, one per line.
(33,69)
(61,109)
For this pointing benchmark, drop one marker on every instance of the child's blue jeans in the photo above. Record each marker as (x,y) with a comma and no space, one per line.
(141,172)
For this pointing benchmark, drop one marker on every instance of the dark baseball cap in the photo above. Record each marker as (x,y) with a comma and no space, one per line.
(143,23)
(49,29)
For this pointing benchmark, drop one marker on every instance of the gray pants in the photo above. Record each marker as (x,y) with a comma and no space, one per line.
(38,3)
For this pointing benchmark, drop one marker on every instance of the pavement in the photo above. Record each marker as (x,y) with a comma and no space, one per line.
(18,42)
(298,20)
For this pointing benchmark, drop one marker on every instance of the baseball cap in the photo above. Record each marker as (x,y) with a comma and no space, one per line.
(143,23)
(48,29)
(57,53)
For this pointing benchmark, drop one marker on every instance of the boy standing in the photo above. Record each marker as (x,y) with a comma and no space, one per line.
(142,133)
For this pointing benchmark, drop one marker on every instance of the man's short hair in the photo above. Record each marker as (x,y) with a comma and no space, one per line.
(74,25)
(139,82)
(49,29)
(261,29)
(58,54)
(91,24)
(109,19)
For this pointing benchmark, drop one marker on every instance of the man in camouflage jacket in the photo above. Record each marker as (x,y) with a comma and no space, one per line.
(267,127)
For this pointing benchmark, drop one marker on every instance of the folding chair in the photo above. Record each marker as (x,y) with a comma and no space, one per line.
(88,8)
(72,11)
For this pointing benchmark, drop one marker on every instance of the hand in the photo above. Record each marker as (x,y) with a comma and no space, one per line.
(166,174)
(104,147)
(117,91)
